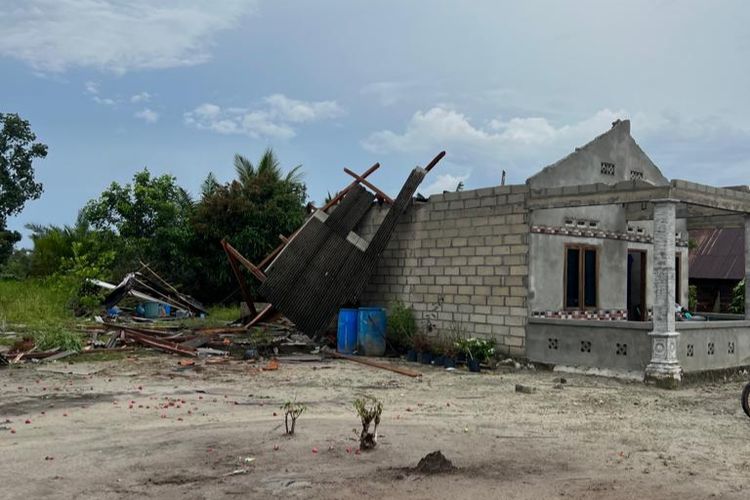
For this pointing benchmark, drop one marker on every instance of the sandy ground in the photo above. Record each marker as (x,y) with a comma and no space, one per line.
(102,432)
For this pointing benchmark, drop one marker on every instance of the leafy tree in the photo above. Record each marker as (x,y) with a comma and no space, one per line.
(56,246)
(250,212)
(151,216)
(17,185)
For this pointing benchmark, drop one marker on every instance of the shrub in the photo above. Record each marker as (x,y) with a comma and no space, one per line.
(738,298)
(401,326)
(480,349)
(369,410)
(292,411)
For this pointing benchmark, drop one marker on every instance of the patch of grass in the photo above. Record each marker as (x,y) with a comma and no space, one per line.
(224,313)
(34,305)
(109,356)
(58,338)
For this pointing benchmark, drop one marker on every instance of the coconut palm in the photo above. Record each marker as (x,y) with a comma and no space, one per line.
(268,167)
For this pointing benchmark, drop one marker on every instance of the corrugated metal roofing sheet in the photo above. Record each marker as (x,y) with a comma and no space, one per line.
(719,254)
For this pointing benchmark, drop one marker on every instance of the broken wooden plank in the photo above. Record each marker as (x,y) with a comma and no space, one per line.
(160,344)
(343,192)
(262,314)
(370,185)
(435,161)
(244,290)
(375,364)
(260,275)
(59,355)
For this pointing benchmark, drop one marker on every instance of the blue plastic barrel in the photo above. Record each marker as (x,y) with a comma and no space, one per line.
(346,336)
(371,331)
(151,310)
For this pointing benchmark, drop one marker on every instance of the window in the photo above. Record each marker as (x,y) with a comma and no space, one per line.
(581,280)
(608,168)
(636,175)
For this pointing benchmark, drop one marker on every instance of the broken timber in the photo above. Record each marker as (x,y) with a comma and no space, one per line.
(375,364)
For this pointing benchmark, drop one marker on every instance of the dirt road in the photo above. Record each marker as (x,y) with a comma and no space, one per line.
(148,428)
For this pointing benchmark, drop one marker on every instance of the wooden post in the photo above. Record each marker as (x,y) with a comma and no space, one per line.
(246,295)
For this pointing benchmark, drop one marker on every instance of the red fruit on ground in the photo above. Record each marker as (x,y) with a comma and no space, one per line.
(314,450)
(27,421)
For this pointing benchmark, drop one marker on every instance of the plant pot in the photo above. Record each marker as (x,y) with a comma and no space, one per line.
(449,362)
(473,365)
(425,358)
(461,357)
(438,360)
(411,355)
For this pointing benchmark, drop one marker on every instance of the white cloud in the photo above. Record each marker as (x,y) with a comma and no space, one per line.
(112,35)
(106,101)
(92,89)
(147,115)
(683,148)
(140,97)
(517,142)
(290,110)
(445,182)
(275,120)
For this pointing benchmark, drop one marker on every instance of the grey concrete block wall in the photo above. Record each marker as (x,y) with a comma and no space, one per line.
(460,260)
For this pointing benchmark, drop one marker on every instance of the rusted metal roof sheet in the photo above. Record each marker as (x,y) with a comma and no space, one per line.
(719,254)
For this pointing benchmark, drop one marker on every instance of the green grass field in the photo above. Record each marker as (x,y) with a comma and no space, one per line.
(33,304)
(40,308)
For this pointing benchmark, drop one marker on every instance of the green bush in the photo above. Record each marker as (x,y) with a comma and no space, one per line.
(738,298)
(401,326)
(480,349)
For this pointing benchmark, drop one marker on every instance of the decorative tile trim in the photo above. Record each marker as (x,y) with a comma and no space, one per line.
(602,234)
(598,315)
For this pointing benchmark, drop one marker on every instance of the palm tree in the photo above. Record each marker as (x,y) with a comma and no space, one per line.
(268,166)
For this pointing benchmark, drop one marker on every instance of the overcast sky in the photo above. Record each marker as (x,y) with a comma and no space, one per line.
(180,86)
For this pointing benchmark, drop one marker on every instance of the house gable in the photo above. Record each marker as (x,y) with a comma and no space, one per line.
(612,157)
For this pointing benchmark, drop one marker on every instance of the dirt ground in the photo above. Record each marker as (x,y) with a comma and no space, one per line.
(103,431)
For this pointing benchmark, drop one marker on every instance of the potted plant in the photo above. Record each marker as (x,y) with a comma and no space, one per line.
(478,351)
(438,352)
(423,346)
(452,346)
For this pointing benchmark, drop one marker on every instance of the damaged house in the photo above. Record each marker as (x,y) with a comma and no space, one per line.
(580,266)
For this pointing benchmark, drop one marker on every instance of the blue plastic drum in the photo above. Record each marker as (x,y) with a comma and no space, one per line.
(346,335)
(371,331)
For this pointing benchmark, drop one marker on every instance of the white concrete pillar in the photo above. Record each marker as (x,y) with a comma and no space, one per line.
(747,266)
(664,368)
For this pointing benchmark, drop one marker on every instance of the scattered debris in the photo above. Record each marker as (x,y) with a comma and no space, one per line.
(235,472)
(525,389)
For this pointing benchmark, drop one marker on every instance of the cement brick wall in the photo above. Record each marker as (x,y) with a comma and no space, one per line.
(610,345)
(713,345)
(459,259)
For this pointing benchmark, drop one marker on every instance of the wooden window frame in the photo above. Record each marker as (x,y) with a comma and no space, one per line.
(581,276)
